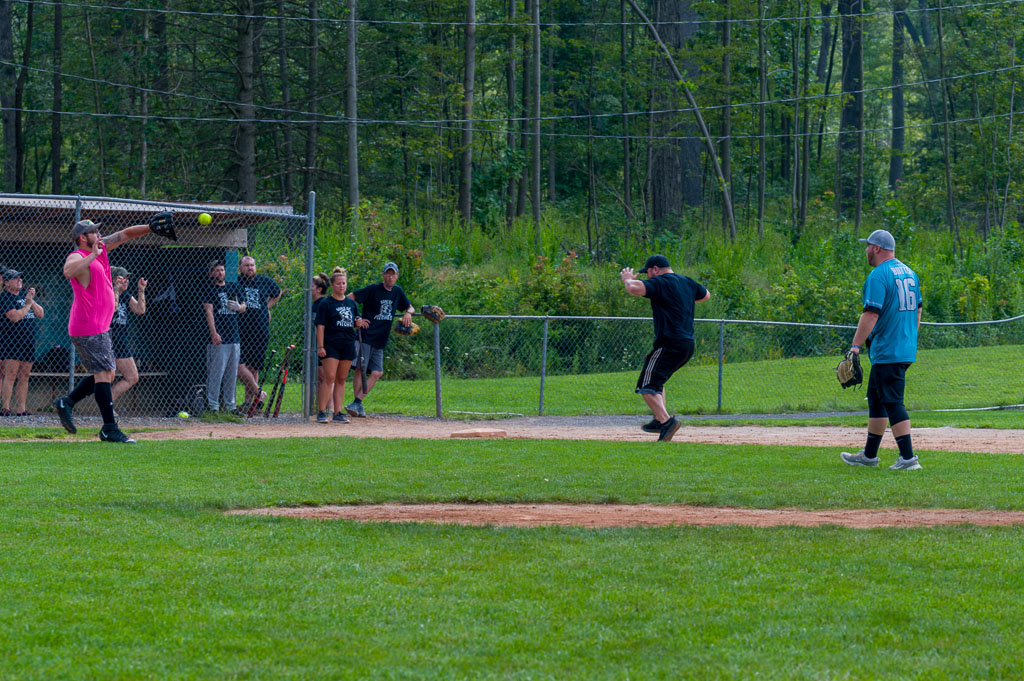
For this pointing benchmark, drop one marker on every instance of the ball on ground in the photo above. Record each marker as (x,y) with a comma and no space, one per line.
(205,219)
(182,414)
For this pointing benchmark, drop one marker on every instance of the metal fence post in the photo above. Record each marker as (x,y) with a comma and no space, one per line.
(308,365)
(437,371)
(543,367)
(721,355)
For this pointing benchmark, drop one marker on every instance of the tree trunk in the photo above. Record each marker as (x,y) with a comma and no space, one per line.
(1009,135)
(510,93)
(954,229)
(762,78)
(245,134)
(676,173)
(286,101)
(805,125)
(727,226)
(826,41)
(56,137)
(627,177)
(524,124)
(898,106)
(313,97)
(144,96)
(828,89)
(7,88)
(850,117)
(351,108)
(19,98)
(552,155)
(536,123)
(466,163)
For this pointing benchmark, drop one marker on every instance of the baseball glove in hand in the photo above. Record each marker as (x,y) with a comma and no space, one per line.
(848,371)
(403,330)
(433,312)
(162,224)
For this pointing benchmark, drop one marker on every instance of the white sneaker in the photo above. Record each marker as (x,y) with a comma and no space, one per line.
(902,464)
(858,459)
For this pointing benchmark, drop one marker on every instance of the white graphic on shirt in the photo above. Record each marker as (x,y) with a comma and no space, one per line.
(222,296)
(121,314)
(345,317)
(385,313)
(253,300)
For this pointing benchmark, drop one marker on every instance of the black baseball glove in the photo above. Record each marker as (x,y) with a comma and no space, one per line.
(162,224)
(848,371)
(433,312)
(403,330)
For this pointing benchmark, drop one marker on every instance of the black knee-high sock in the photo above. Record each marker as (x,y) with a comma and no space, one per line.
(105,401)
(871,448)
(85,387)
(906,449)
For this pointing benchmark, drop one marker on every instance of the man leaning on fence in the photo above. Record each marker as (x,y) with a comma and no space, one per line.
(673,298)
(888,326)
(87,269)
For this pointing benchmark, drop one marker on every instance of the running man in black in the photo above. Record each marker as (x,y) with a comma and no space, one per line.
(673,299)
(380,304)
(336,321)
(126,303)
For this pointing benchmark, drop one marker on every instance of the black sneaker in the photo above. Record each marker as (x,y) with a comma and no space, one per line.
(321,417)
(63,409)
(651,426)
(669,428)
(340,418)
(114,434)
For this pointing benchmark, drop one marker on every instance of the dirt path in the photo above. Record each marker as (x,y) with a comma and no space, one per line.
(646,515)
(622,429)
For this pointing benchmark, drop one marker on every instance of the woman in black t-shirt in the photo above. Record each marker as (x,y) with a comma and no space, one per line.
(336,321)
(321,284)
(123,357)
(18,329)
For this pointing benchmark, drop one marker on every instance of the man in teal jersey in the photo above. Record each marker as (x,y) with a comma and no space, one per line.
(888,325)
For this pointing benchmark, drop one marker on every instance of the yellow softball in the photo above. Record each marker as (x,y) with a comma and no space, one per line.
(205,219)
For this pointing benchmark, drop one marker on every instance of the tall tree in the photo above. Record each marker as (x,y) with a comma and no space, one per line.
(245,111)
(851,117)
(7,88)
(313,100)
(466,162)
(511,99)
(56,134)
(284,76)
(352,70)
(19,100)
(899,109)
(535,6)
(730,228)
(627,175)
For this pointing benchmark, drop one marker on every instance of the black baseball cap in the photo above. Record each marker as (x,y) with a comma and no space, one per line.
(120,272)
(11,274)
(653,261)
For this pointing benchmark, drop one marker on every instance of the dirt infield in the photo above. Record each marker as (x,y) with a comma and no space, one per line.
(639,515)
(620,429)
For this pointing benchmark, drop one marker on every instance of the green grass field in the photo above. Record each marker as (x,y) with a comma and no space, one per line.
(940,379)
(117,563)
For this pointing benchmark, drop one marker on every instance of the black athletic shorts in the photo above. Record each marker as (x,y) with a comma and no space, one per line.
(659,366)
(886,383)
(119,342)
(20,350)
(253,350)
(344,350)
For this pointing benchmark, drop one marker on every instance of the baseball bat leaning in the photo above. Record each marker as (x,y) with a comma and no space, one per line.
(280,395)
(286,355)
(360,364)
(259,386)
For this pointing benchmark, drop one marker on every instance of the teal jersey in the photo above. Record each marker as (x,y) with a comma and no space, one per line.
(894,292)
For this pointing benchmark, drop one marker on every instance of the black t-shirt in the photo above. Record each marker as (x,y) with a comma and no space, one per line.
(225,319)
(338,319)
(672,299)
(119,323)
(21,332)
(316,309)
(380,306)
(257,291)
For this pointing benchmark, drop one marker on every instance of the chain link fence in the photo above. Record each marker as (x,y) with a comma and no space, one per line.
(160,330)
(497,365)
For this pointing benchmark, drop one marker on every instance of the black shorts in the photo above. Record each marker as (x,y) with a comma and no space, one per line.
(344,351)
(253,350)
(20,350)
(659,366)
(119,342)
(886,383)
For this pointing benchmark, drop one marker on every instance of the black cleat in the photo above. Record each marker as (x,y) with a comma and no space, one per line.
(651,426)
(669,428)
(114,434)
(63,409)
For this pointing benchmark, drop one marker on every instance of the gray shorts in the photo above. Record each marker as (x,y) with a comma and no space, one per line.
(370,356)
(96,353)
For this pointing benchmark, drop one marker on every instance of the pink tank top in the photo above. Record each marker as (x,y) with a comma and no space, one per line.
(94,304)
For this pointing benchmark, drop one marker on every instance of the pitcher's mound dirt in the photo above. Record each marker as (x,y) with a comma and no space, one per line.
(647,515)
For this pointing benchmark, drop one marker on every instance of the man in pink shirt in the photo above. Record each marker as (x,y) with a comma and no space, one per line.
(88,271)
